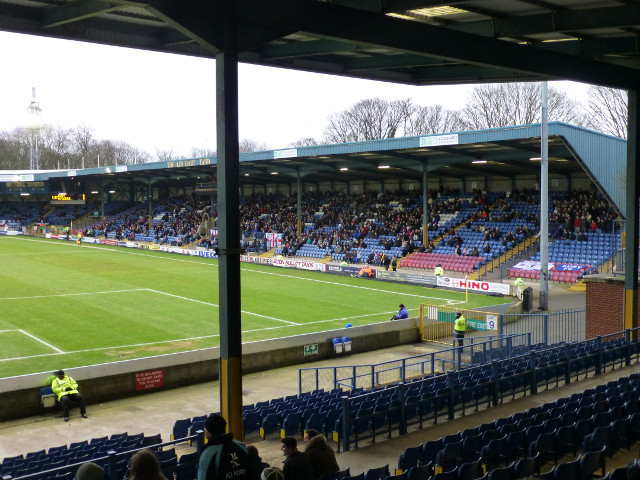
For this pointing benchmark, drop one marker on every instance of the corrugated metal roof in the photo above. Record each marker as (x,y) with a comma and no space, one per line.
(506,152)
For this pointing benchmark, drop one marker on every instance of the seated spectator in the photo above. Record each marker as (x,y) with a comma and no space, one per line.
(297,465)
(89,471)
(457,251)
(321,455)
(474,252)
(370,258)
(222,456)
(144,466)
(256,460)
(272,473)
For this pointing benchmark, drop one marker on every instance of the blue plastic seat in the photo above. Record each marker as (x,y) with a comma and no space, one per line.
(270,424)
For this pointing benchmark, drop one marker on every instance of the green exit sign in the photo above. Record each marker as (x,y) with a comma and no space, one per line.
(310,349)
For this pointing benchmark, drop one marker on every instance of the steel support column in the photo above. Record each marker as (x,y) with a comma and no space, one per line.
(544,201)
(425,207)
(299,206)
(103,196)
(150,202)
(631,223)
(229,224)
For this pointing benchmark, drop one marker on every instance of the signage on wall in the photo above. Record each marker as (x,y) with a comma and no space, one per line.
(149,379)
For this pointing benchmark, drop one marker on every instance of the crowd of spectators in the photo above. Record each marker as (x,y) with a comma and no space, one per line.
(578,212)
(345,222)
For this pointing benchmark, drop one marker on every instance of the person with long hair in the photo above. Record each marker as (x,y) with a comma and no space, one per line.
(145,466)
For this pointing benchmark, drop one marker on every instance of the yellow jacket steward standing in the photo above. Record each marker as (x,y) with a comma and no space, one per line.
(438,271)
(459,327)
(518,282)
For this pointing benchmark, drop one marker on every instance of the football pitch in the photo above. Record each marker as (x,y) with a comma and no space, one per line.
(63,305)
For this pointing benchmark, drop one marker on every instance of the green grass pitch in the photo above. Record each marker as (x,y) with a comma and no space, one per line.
(63,306)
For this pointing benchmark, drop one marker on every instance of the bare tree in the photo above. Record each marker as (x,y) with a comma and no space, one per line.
(251,145)
(164,155)
(607,110)
(432,119)
(14,150)
(83,143)
(305,142)
(369,119)
(55,146)
(507,104)
(202,152)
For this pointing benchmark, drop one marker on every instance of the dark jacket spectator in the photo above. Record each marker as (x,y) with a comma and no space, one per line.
(321,455)
(222,456)
(256,460)
(297,465)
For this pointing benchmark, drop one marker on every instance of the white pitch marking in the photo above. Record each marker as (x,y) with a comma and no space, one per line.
(180,339)
(255,271)
(41,341)
(75,294)
(218,306)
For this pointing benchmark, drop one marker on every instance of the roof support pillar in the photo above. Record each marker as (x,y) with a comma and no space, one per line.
(425,207)
(631,223)
(103,197)
(543,302)
(299,206)
(229,223)
(150,201)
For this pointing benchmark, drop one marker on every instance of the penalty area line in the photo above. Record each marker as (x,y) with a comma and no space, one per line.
(218,306)
(41,341)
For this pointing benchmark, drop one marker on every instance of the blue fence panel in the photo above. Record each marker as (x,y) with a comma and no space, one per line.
(548,327)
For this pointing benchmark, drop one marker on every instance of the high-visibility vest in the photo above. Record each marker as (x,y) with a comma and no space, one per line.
(438,271)
(461,324)
(519,282)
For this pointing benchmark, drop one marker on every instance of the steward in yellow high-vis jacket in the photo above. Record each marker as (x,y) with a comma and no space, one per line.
(66,389)
(459,327)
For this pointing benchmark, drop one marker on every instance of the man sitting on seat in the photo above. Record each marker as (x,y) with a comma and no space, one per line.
(66,389)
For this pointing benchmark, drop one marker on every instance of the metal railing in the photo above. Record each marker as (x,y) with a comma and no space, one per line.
(450,396)
(547,327)
(108,462)
(405,369)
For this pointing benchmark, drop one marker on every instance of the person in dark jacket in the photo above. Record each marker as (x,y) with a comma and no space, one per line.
(321,455)
(256,460)
(297,465)
(222,456)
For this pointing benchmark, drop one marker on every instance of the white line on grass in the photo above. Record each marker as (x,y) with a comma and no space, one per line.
(109,348)
(75,294)
(41,341)
(448,301)
(180,339)
(218,306)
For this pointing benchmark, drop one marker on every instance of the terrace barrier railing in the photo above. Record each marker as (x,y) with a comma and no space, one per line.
(110,461)
(547,327)
(418,366)
(487,385)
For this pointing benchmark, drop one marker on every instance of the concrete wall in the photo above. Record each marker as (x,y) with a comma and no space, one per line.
(20,396)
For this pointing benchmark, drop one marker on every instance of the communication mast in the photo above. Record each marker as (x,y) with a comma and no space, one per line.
(34,129)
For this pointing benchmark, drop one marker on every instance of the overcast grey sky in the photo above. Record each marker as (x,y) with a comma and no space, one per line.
(153,100)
